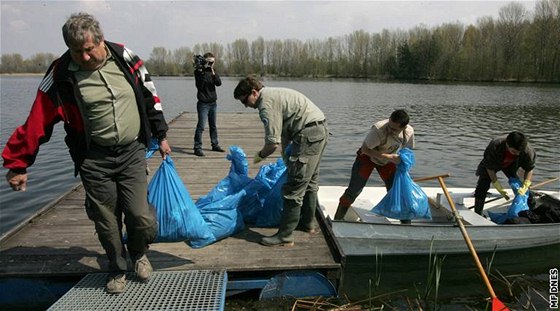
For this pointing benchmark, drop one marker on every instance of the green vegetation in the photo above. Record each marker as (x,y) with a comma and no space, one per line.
(519,46)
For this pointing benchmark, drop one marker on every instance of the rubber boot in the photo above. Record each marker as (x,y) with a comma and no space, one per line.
(288,223)
(479,205)
(308,223)
(340,212)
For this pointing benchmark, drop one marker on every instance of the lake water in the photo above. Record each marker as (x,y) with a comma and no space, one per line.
(453,124)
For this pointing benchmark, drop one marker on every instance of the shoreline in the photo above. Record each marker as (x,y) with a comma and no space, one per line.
(18,74)
(371,79)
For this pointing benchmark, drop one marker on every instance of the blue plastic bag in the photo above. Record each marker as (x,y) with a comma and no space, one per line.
(219,207)
(153,147)
(252,203)
(274,176)
(223,217)
(405,199)
(234,182)
(263,203)
(518,204)
(177,216)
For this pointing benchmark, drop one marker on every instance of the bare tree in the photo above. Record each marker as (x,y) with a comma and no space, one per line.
(546,37)
(510,27)
(258,55)
(358,44)
(11,63)
(239,57)
(38,63)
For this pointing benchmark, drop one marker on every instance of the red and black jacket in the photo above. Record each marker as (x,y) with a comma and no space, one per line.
(57,100)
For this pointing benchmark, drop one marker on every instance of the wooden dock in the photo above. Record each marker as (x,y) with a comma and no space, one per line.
(61,241)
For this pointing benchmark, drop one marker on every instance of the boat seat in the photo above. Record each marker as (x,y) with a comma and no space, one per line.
(474,219)
(468,215)
(369,217)
(361,211)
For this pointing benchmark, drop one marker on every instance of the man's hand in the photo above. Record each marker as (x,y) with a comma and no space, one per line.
(524,187)
(393,157)
(17,181)
(500,189)
(257,158)
(164,148)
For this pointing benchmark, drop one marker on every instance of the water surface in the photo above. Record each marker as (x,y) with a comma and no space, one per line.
(453,124)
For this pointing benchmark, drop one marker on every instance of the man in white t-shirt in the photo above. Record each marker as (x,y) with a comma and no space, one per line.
(378,151)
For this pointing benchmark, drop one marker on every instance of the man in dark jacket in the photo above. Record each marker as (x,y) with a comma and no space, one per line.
(110,109)
(206,80)
(507,154)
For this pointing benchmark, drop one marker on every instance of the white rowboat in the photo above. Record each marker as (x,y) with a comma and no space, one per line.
(363,233)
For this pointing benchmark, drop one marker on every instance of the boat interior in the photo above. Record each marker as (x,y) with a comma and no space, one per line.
(440,208)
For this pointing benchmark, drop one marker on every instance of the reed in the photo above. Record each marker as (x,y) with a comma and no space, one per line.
(525,293)
(435,265)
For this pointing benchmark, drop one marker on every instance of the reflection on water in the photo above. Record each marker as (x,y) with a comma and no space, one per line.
(459,277)
(453,125)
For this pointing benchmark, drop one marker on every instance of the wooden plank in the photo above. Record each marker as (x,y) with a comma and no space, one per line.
(62,240)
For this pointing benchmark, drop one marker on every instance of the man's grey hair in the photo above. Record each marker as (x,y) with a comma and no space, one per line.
(79,27)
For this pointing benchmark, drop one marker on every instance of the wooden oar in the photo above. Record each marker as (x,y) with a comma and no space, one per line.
(430,177)
(542,183)
(496,303)
(531,188)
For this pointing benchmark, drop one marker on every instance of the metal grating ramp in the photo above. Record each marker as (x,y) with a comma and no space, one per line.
(173,290)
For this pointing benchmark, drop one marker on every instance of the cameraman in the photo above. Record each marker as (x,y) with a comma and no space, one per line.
(206,81)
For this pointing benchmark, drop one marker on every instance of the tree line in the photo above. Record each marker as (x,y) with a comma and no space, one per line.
(517,46)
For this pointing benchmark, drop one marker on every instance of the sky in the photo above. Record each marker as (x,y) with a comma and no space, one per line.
(30,27)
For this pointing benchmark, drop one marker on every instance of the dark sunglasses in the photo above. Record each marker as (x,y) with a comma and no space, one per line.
(244,100)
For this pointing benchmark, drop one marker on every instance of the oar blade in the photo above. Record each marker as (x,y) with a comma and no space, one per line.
(497,305)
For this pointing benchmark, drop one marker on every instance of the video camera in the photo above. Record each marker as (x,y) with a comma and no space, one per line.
(199,62)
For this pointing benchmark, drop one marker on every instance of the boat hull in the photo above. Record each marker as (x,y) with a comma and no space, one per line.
(363,233)
(365,239)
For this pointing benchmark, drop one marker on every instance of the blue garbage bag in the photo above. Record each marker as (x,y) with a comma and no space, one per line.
(177,216)
(274,176)
(223,217)
(405,199)
(252,203)
(219,207)
(518,204)
(263,202)
(234,182)
(153,147)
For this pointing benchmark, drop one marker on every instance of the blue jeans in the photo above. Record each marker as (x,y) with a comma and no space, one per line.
(206,110)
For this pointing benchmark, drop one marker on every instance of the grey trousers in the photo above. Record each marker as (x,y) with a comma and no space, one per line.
(300,190)
(115,182)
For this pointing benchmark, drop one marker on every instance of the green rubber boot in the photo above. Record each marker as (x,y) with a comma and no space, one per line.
(308,222)
(288,223)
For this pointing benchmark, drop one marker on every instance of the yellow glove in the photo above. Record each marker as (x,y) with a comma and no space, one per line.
(257,158)
(524,187)
(501,190)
